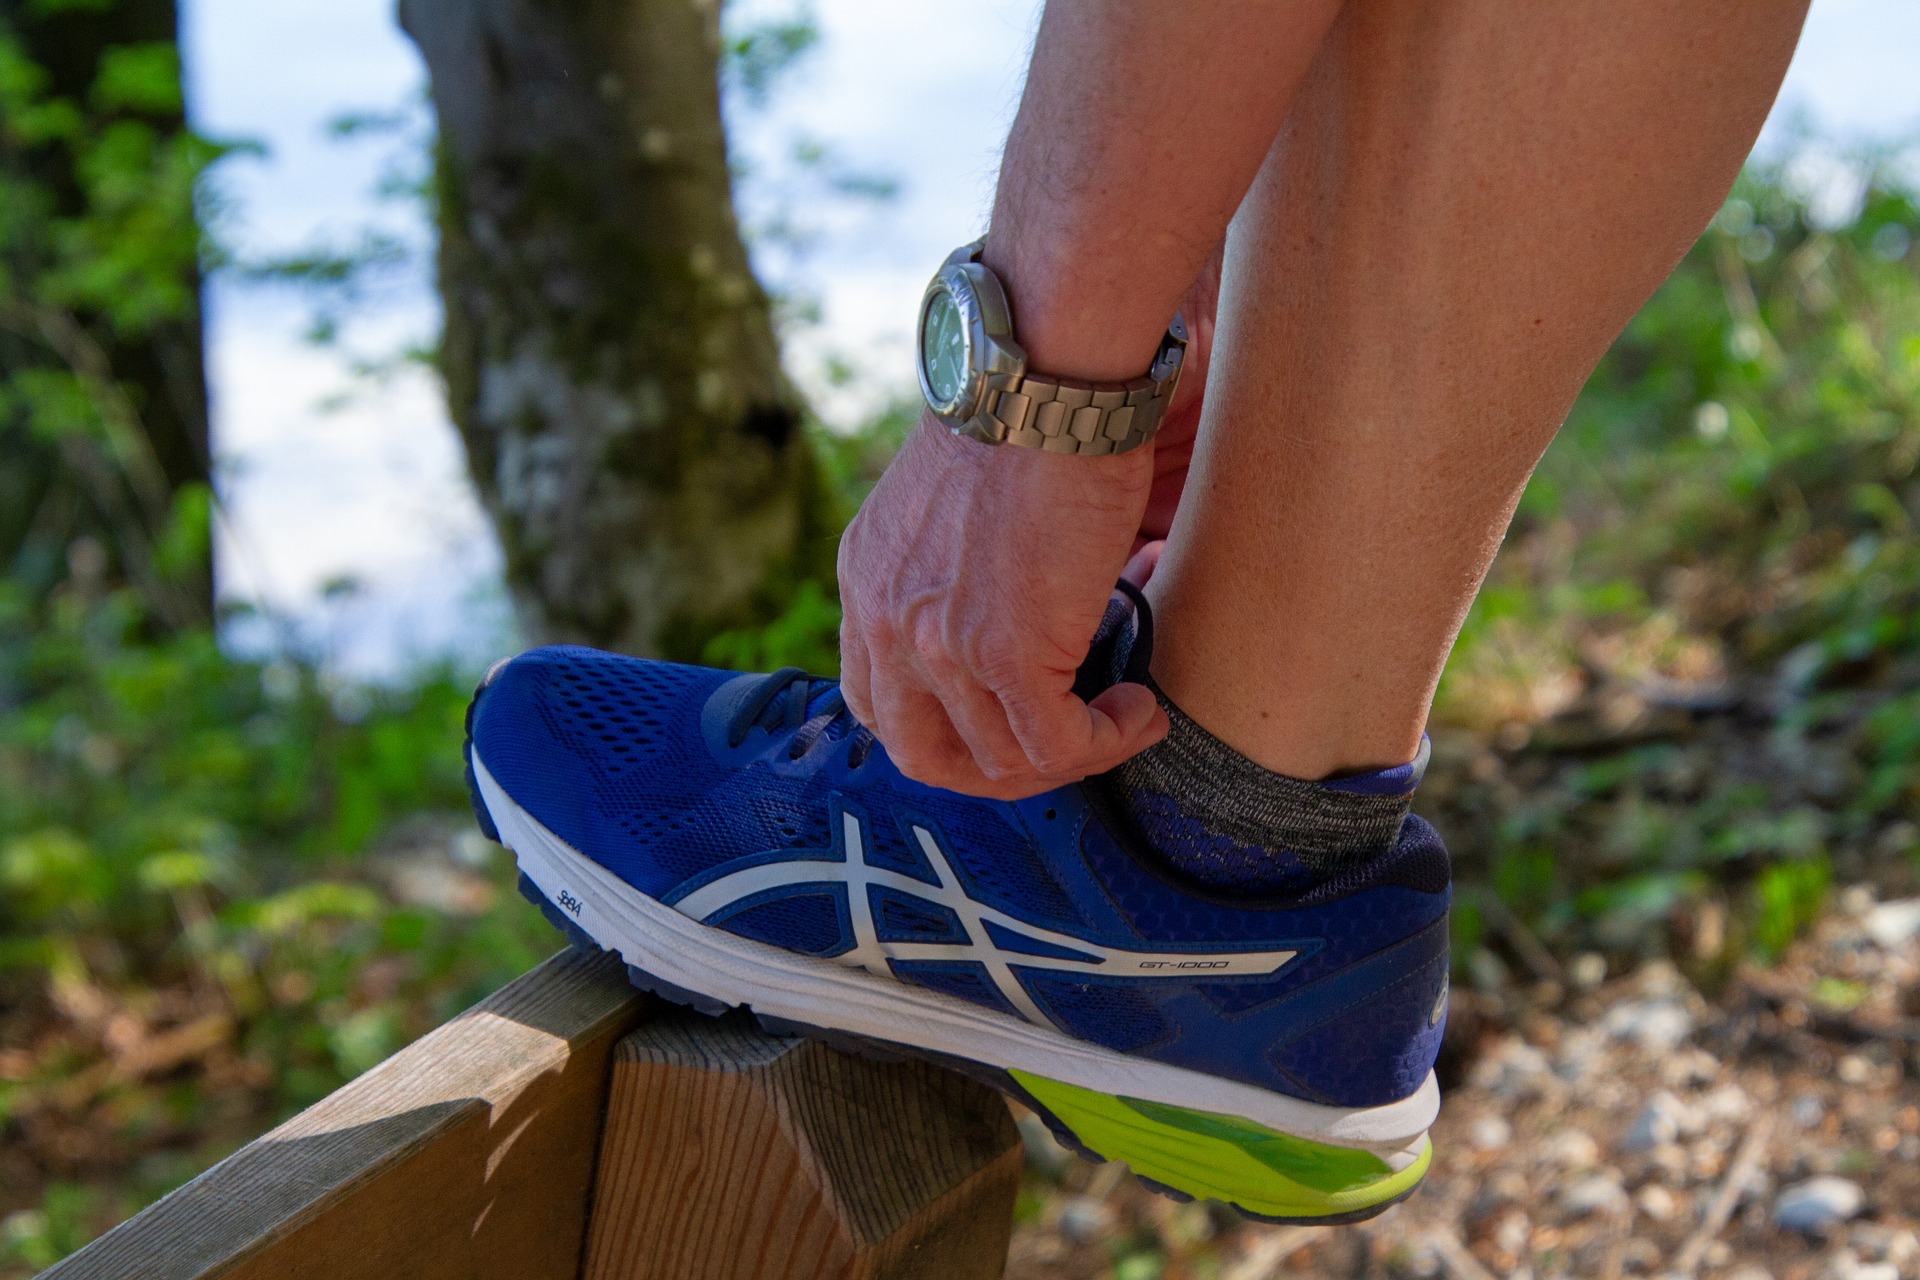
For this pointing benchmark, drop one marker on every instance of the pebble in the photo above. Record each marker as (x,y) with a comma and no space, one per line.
(1657,1202)
(1856,899)
(1729,1102)
(1579,1053)
(1690,1069)
(1084,1219)
(1653,1127)
(1487,971)
(1587,970)
(1807,1110)
(1512,1068)
(1902,1248)
(1594,1193)
(1846,1265)
(1664,1119)
(1817,1203)
(1657,1025)
(1571,1149)
(1893,924)
(1490,1133)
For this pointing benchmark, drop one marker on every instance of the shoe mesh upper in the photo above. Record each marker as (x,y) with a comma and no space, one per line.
(609,754)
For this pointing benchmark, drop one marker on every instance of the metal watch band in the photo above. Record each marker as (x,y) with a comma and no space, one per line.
(1065,416)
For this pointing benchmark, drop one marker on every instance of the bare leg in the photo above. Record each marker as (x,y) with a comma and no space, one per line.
(1468,202)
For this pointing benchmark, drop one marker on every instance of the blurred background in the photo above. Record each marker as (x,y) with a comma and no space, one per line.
(318,391)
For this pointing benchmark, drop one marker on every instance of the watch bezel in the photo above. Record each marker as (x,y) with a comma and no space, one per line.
(987,322)
(966,397)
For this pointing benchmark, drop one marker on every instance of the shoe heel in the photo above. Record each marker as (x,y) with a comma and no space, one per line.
(1211,1156)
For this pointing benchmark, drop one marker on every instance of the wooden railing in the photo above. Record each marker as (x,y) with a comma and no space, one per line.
(569,1126)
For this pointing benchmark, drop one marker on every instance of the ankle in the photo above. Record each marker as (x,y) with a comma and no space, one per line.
(1223,819)
(1301,733)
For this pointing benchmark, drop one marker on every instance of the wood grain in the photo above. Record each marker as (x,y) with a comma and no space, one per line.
(732,1155)
(467,1155)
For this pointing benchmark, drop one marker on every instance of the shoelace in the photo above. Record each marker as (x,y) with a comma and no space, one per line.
(791,701)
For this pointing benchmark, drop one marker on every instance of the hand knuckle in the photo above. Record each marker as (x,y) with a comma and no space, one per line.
(925,629)
(883,644)
(998,658)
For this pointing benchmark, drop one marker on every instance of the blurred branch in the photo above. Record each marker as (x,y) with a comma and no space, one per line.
(1686,1263)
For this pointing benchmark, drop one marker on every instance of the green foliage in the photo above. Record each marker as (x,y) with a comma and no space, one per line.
(759,52)
(39,1237)
(806,634)
(100,244)
(191,841)
(1698,654)
(1790,895)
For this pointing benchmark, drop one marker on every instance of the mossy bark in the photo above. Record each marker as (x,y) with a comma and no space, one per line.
(610,360)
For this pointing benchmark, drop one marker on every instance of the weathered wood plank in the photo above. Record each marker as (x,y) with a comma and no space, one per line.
(467,1155)
(732,1155)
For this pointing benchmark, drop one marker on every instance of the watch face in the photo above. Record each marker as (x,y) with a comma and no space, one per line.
(943,348)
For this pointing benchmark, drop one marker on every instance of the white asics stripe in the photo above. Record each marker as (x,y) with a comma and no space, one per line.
(869,952)
(801,988)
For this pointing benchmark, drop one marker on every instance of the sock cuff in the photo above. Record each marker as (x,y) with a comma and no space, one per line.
(1400,780)
(1320,823)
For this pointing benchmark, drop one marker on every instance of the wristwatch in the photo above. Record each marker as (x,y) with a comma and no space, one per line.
(975,378)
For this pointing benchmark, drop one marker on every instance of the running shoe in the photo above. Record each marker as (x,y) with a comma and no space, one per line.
(740,840)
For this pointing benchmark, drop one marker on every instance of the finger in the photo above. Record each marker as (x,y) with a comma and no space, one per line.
(856,672)
(1067,738)
(981,721)
(935,753)
(1137,716)
(1143,562)
(914,728)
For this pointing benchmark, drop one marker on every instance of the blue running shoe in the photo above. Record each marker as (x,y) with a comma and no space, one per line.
(740,840)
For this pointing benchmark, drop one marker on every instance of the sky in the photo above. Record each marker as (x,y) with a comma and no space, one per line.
(329,480)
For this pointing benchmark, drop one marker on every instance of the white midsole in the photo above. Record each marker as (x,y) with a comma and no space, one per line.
(784,984)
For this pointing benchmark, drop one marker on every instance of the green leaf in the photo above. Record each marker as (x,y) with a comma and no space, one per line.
(176,869)
(138,77)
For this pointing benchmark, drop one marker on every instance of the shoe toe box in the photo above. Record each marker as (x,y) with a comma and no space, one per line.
(605,751)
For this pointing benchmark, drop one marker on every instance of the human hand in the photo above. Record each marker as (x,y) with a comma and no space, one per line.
(972,581)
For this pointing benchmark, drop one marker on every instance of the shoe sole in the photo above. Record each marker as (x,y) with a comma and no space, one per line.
(1184,1133)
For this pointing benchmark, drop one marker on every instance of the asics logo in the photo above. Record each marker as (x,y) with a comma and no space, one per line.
(1067,954)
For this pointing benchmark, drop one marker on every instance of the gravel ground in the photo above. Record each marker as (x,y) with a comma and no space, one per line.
(1636,1127)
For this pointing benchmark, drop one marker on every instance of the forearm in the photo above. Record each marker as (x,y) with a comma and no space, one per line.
(1141,127)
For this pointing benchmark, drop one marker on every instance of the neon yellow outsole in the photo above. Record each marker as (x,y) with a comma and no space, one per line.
(1219,1157)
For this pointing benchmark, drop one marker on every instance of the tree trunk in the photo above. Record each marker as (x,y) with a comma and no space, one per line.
(146,377)
(609,358)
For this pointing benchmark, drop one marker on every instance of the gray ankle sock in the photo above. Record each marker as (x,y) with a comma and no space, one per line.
(1231,824)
